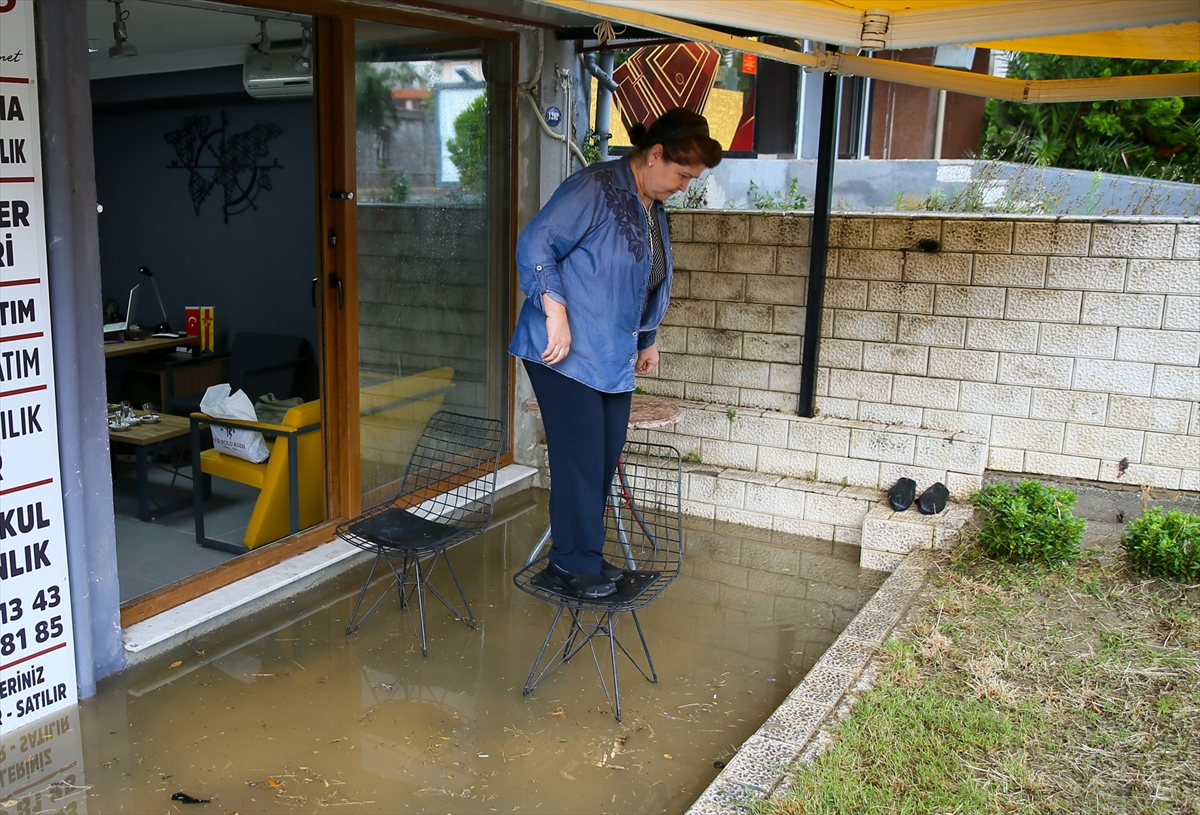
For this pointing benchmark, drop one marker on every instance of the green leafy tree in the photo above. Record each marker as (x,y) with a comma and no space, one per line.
(373,97)
(468,149)
(373,83)
(1154,138)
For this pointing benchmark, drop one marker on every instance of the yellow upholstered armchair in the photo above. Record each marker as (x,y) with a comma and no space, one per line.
(291,482)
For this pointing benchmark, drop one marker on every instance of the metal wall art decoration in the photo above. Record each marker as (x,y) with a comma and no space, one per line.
(237,163)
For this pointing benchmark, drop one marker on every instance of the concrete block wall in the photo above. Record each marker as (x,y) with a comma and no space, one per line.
(1055,347)
(423,293)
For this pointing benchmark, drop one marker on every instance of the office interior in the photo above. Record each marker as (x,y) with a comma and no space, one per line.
(206,199)
(208,178)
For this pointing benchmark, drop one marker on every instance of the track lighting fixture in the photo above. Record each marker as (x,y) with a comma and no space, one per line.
(121,46)
(261,58)
(303,61)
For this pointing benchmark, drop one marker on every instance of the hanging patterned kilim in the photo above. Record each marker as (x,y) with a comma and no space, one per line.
(662,77)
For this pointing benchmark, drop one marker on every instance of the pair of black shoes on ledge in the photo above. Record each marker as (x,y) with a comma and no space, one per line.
(902,494)
(586,586)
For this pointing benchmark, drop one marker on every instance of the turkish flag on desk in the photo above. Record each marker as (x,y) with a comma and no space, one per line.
(191,320)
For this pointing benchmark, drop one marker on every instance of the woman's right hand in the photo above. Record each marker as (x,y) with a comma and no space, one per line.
(558,332)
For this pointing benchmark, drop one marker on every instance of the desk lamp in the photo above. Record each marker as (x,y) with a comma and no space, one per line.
(165,325)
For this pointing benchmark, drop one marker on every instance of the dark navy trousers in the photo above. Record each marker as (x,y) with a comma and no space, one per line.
(585,431)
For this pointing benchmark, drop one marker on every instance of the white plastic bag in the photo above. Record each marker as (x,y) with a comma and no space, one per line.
(219,403)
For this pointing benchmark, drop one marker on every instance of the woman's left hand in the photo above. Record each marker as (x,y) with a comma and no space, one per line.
(647,360)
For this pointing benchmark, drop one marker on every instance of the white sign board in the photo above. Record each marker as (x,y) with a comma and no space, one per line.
(37,655)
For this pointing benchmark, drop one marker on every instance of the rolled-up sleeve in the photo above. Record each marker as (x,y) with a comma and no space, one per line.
(557,229)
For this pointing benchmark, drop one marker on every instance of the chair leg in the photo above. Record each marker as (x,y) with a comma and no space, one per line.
(350,626)
(402,581)
(581,634)
(399,581)
(646,648)
(530,683)
(605,626)
(420,589)
(469,616)
(411,579)
(613,642)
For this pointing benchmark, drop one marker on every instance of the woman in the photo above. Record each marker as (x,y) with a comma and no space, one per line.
(595,268)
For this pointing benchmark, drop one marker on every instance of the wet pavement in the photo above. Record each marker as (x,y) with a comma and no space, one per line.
(284,712)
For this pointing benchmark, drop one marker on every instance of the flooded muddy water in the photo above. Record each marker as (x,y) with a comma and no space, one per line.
(284,712)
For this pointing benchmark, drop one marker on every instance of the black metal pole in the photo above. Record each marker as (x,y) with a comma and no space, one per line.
(822,203)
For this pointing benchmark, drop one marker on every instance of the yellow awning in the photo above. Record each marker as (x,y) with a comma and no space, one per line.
(1180,41)
(1145,29)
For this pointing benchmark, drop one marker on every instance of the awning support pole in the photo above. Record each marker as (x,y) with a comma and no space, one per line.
(822,204)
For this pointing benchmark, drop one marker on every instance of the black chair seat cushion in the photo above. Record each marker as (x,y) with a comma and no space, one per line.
(260,364)
(398,529)
(633,586)
(185,405)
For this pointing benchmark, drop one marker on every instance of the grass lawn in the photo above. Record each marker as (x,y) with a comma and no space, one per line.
(1018,689)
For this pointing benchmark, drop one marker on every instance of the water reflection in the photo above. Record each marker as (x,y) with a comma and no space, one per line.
(41,767)
(284,711)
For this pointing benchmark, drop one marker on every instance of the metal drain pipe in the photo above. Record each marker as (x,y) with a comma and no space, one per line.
(604,94)
(814,304)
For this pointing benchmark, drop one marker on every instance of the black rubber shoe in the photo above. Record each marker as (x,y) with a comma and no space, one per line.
(610,571)
(583,586)
(902,493)
(933,500)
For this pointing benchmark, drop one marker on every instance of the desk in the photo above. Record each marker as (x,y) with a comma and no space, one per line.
(126,347)
(645,413)
(149,370)
(147,439)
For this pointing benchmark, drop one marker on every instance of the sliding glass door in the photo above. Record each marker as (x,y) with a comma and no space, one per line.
(433,138)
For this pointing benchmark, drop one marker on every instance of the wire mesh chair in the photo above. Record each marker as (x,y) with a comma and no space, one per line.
(644,533)
(447,497)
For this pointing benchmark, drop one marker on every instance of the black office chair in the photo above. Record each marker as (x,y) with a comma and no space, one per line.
(644,533)
(447,497)
(257,364)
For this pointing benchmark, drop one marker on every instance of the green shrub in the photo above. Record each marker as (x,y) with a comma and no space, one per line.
(788,199)
(1033,522)
(1164,544)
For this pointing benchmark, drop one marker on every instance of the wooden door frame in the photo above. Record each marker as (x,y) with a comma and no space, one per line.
(338,283)
(335,172)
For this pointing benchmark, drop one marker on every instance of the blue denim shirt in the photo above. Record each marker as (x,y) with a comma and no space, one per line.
(589,249)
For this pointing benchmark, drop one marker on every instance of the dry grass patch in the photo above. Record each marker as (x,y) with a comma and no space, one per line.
(1020,689)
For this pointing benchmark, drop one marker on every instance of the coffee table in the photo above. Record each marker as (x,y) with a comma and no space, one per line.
(645,413)
(169,432)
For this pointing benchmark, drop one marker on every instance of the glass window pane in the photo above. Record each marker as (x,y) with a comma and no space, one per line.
(426,240)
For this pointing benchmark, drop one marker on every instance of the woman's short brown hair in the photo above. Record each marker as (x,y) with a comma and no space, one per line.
(683,135)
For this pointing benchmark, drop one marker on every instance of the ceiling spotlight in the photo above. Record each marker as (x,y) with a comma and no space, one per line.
(260,58)
(303,61)
(121,46)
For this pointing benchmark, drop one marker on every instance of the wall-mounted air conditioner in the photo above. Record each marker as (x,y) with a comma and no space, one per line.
(277,74)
